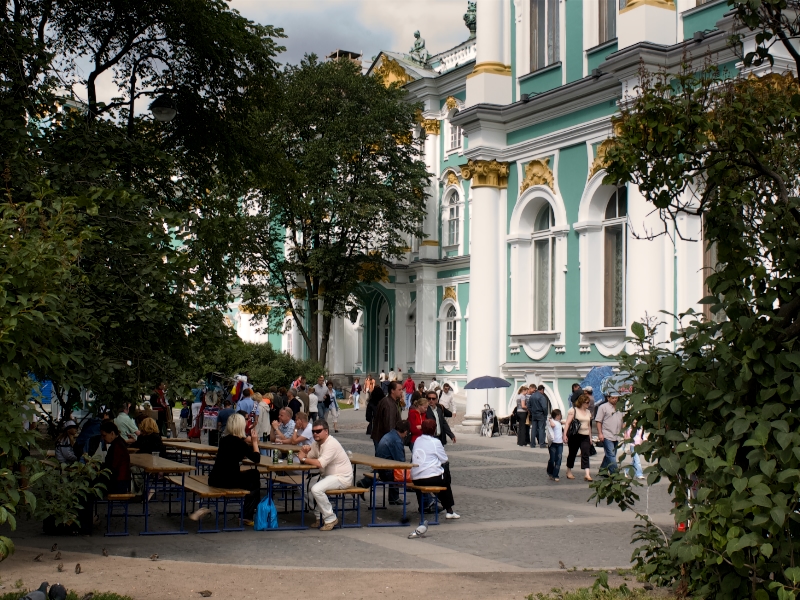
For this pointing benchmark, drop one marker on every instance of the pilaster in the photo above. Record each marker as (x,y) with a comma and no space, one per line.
(425,356)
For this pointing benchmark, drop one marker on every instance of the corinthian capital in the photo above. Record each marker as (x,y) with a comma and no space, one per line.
(486,173)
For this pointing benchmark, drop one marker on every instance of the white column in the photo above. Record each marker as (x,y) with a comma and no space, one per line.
(402,295)
(642,21)
(490,81)
(425,357)
(489,178)
(429,247)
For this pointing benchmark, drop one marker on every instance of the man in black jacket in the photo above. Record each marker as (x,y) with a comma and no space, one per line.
(537,407)
(436,413)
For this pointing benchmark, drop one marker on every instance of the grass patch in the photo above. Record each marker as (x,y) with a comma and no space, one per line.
(620,593)
(70,596)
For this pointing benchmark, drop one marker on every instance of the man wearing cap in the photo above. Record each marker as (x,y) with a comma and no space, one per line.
(609,426)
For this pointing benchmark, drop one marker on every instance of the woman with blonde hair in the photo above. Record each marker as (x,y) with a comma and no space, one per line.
(521,416)
(149,439)
(226,474)
(582,439)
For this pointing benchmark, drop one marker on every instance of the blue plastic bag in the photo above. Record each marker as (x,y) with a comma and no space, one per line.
(266,515)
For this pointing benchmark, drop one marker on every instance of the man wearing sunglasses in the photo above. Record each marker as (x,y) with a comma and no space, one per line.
(327,454)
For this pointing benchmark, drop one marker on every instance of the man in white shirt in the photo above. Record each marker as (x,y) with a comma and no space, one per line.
(327,454)
(302,434)
(319,390)
(446,399)
(392,375)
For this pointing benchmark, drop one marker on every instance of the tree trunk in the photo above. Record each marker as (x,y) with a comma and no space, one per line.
(313,309)
(326,335)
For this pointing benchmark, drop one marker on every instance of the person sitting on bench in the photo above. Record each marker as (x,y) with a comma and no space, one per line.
(226,474)
(433,468)
(390,448)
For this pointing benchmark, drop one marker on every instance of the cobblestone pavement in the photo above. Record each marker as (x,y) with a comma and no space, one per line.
(513,519)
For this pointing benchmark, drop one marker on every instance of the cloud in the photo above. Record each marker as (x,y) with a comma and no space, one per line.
(367,26)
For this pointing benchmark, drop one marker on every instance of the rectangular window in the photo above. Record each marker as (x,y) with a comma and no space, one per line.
(545,33)
(543,284)
(614,276)
(450,350)
(455,137)
(453,226)
(608,20)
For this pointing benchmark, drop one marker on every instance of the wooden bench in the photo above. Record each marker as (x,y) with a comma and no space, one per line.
(198,485)
(428,490)
(122,499)
(339,500)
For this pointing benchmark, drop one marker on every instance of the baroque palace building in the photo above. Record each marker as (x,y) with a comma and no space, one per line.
(532,269)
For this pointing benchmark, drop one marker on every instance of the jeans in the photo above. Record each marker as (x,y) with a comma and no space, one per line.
(537,431)
(355,401)
(637,463)
(610,458)
(554,464)
(408,400)
(324,510)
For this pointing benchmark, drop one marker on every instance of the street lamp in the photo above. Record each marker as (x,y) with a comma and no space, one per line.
(163,109)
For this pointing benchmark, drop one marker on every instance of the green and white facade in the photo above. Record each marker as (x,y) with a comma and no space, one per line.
(532,269)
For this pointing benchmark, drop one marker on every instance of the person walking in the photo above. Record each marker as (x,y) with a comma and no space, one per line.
(320,389)
(446,397)
(387,412)
(408,386)
(556,447)
(537,408)
(355,393)
(521,415)
(582,439)
(332,407)
(576,392)
(636,437)
(609,425)
(436,413)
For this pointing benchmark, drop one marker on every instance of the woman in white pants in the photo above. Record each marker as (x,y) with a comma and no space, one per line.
(327,454)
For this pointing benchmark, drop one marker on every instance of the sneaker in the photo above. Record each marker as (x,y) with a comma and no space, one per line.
(329,526)
(453,515)
(248,522)
(641,477)
(398,502)
(199,514)
(555,479)
(316,524)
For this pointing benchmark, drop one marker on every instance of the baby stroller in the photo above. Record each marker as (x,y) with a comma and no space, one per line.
(488,421)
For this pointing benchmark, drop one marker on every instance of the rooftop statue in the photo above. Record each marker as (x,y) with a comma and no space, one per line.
(418,53)
(470,19)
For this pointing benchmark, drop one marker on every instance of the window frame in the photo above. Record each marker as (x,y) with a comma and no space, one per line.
(449,324)
(537,237)
(552,17)
(616,223)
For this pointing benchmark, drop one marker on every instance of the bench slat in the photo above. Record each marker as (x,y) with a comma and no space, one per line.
(120,497)
(202,489)
(347,491)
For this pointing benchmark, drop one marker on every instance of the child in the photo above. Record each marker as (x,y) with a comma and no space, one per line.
(185,416)
(557,445)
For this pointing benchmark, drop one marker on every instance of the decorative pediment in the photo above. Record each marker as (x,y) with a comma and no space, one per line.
(450,292)
(601,159)
(452,178)
(391,72)
(538,172)
(451,103)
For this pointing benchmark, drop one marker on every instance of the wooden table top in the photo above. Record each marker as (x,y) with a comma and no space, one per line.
(281,447)
(190,447)
(377,463)
(179,440)
(156,464)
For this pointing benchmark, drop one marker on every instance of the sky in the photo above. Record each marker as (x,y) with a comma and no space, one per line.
(365,26)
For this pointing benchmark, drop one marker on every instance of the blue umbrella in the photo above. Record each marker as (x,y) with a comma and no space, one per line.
(487,382)
(595,378)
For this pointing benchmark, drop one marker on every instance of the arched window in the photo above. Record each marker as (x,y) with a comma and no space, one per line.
(453,220)
(614,258)
(386,340)
(452,334)
(543,271)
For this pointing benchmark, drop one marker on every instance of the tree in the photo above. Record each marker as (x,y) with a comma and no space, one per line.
(718,403)
(776,22)
(342,192)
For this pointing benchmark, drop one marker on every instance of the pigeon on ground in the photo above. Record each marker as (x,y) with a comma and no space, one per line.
(105,552)
(38,558)
(154,557)
(57,556)
(57,592)
(419,531)
(60,567)
(54,547)
(561,564)
(78,569)
(88,596)
(40,594)
(205,593)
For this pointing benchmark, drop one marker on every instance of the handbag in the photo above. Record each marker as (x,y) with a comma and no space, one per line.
(575,425)
(266,515)
(401,475)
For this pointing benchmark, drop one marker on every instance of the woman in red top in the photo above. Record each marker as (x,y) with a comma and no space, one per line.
(416,416)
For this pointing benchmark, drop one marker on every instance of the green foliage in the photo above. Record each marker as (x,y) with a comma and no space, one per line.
(341,193)
(718,400)
(596,592)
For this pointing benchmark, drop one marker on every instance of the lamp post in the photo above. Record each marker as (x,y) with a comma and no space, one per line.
(163,108)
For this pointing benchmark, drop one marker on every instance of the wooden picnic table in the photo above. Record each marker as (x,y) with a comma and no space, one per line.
(155,465)
(379,464)
(172,443)
(279,447)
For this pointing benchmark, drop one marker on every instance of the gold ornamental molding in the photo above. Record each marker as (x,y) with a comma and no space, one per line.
(431,126)
(491,68)
(601,159)
(450,292)
(391,72)
(452,178)
(538,172)
(632,4)
(486,173)
(429,243)
(451,103)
